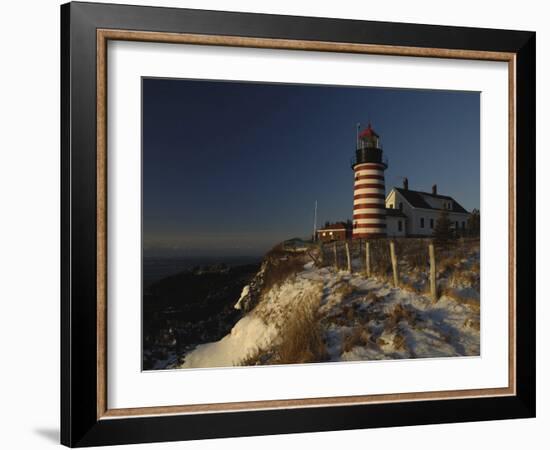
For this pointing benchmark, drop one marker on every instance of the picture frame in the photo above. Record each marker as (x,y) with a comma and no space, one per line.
(86,418)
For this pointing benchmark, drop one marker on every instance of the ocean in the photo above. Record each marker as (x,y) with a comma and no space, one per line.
(157,268)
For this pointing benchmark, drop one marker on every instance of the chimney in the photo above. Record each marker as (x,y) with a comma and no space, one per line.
(406,183)
(434,189)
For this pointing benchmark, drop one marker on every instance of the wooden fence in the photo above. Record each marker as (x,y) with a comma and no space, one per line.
(381,257)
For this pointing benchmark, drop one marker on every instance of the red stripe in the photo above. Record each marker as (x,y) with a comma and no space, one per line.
(369,185)
(370,205)
(370,177)
(365,206)
(380,196)
(369,216)
(368,166)
(370,225)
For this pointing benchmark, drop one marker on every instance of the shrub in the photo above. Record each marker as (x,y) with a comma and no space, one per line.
(442,230)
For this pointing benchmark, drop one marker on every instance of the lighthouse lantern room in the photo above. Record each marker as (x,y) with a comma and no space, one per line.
(369,209)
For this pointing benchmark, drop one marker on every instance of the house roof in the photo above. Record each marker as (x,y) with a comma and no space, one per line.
(415,198)
(334,226)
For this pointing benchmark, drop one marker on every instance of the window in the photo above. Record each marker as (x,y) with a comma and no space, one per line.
(391,206)
(456,225)
(422,222)
(431,223)
(463,225)
(400,206)
(399,225)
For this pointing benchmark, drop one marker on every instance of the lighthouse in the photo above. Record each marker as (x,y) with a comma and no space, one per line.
(369,209)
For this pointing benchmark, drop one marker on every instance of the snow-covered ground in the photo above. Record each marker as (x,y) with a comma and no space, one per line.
(358,318)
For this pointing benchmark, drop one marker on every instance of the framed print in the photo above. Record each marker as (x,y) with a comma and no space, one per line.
(276,224)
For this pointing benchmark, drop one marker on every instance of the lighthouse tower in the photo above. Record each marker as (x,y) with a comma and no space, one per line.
(369,209)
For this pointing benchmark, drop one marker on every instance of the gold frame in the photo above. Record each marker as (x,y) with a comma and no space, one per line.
(103,36)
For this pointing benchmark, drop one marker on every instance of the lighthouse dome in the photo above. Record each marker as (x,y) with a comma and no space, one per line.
(368,132)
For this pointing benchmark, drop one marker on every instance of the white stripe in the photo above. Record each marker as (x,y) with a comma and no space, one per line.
(369,181)
(370,220)
(369,172)
(369,191)
(365,211)
(370,230)
(379,209)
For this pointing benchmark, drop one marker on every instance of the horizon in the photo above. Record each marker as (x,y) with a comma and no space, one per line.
(230,169)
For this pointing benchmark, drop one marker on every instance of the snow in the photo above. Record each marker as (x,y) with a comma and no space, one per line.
(247,336)
(244,294)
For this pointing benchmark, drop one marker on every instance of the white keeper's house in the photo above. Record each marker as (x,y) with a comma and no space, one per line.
(414,213)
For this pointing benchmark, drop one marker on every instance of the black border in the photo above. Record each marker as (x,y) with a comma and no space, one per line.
(79,425)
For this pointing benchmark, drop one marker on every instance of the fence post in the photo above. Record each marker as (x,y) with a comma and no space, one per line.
(348,257)
(367,258)
(433,285)
(394,264)
(335,256)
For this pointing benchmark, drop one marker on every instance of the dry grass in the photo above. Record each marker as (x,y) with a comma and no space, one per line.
(472,303)
(472,323)
(410,287)
(255,358)
(279,267)
(400,313)
(399,342)
(302,336)
(344,289)
(464,278)
(359,337)
(413,253)
(372,297)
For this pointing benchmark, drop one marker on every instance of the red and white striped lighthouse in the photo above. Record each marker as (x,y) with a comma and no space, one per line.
(369,208)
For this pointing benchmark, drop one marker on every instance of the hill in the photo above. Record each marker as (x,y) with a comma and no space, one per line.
(301,309)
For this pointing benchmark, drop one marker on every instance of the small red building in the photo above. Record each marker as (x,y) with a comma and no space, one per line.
(338,231)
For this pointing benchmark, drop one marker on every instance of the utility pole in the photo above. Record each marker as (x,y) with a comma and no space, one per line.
(315,222)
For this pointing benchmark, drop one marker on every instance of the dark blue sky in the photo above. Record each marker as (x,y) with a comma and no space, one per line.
(232,168)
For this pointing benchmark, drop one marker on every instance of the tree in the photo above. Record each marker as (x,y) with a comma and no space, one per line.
(473,223)
(442,229)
